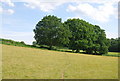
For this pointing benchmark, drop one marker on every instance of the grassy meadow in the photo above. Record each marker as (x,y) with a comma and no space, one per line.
(117,54)
(0,62)
(31,63)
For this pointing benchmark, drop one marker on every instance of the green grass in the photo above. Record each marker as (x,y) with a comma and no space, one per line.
(0,62)
(55,48)
(114,54)
(31,63)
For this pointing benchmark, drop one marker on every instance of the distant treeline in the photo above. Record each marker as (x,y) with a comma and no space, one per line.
(14,43)
(114,45)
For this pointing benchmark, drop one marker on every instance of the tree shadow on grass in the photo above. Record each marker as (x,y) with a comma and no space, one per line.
(68,51)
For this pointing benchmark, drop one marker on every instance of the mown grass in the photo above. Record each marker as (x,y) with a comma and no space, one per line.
(31,63)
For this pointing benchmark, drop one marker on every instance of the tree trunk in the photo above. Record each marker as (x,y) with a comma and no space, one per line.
(77,51)
(89,51)
(72,50)
(50,47)
(95,52)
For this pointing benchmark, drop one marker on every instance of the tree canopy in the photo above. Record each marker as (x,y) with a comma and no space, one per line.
(77,34)
(87,37)
(51,31)
(114,44)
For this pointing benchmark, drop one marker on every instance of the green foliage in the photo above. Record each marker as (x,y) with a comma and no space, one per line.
(50,31)
(75,33)
(34,43)
(101,42)
(22,42)
(114,45)
(103,50)
(11,42)
(87,37)
(79,31)
(14,43)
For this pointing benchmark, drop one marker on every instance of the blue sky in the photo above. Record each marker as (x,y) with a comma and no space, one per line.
(19,18)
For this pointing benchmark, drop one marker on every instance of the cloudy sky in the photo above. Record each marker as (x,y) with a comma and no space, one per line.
(19,17)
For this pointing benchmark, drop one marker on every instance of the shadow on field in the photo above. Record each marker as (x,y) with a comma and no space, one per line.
(63,50)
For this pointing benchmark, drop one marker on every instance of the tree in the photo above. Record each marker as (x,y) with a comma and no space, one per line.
(22,42)
(50,31)
(34,43)
(114,44)
(101,43)
(77,34)
(79,31)
(87,37)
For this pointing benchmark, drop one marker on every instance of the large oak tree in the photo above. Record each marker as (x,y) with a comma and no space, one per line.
(51,31)
(87,37)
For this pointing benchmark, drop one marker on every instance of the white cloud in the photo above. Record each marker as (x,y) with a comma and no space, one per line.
(1,9)
(101,13)
(10,11)
(43,6)
(7,11)
(76,17)
(90,1)
(50,5)
(30,6)
(101,1)
(8,2)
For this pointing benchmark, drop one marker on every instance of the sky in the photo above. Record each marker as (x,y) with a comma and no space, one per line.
(19,17)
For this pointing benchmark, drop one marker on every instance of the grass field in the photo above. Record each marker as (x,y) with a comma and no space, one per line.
(117,54)
(31,63)
(0,62)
